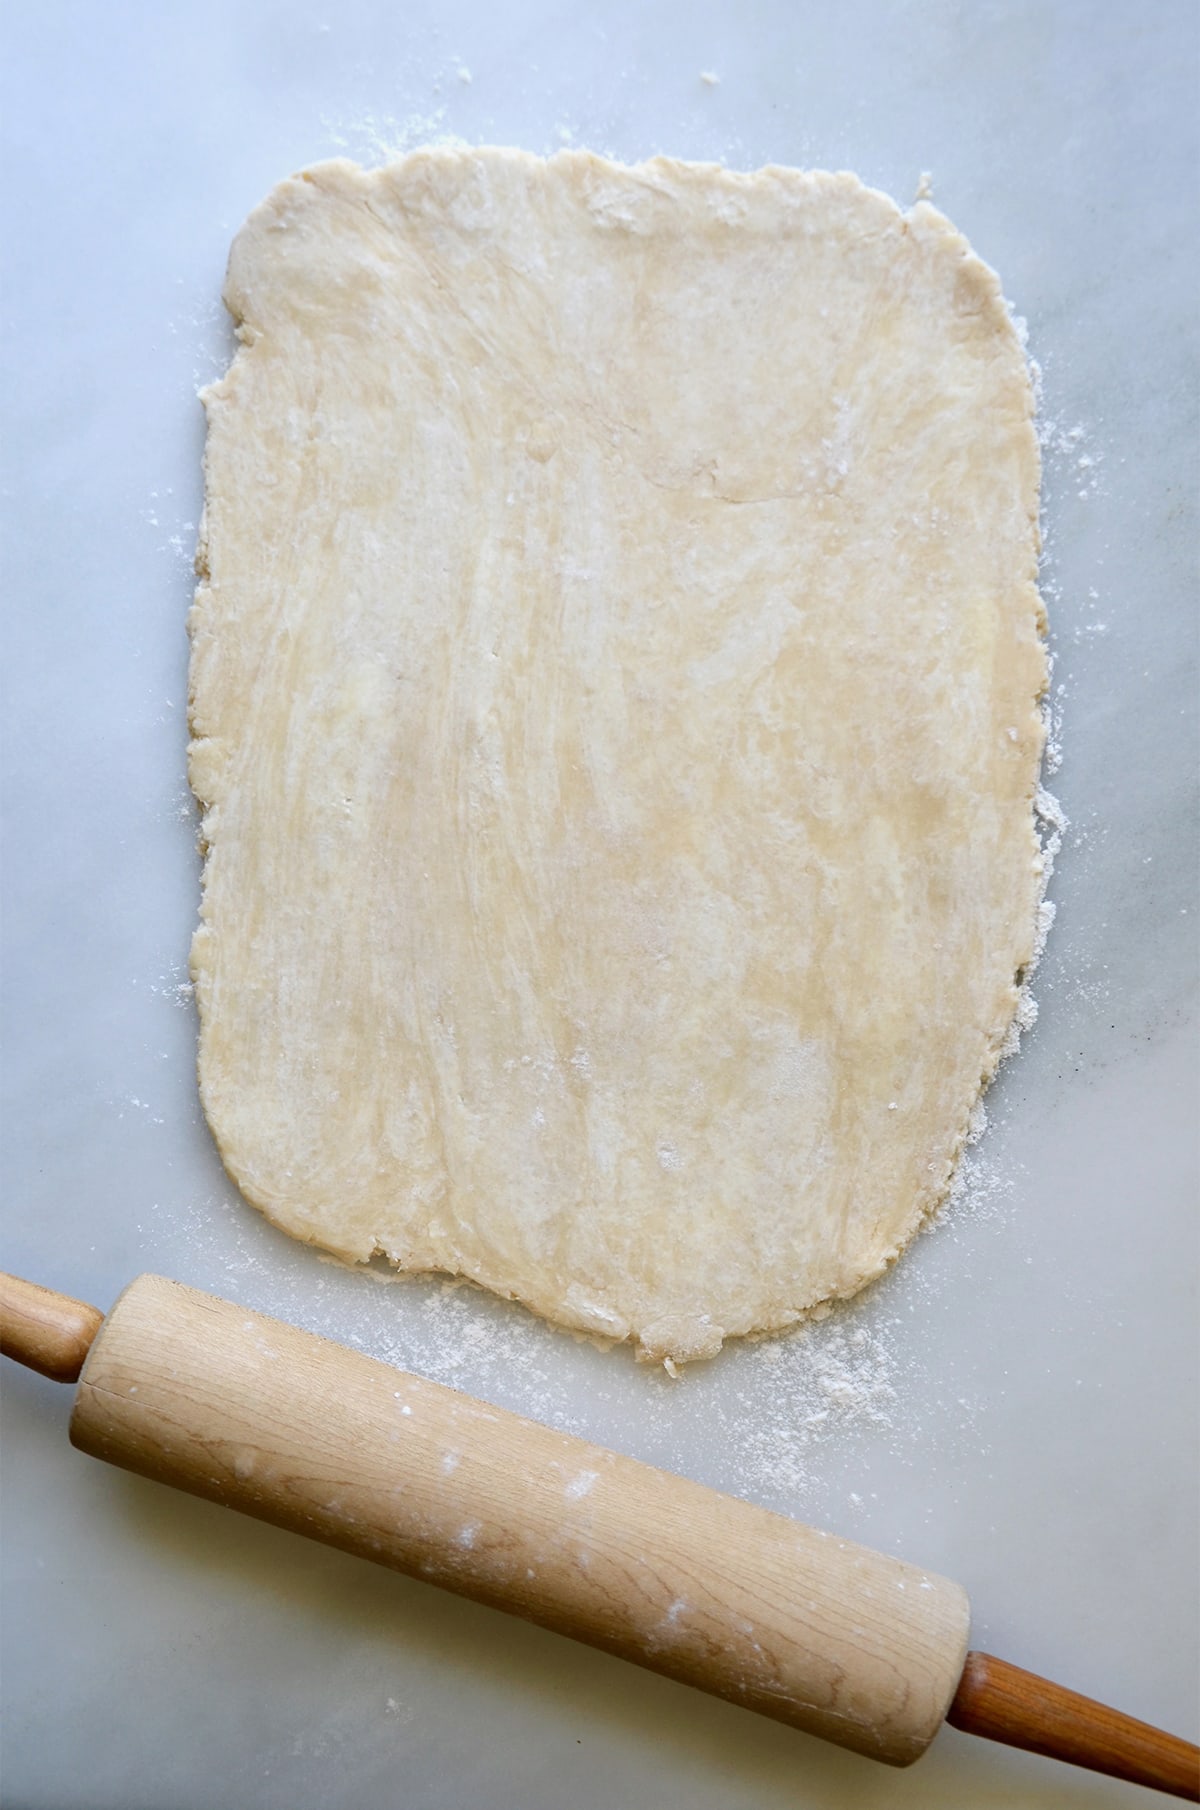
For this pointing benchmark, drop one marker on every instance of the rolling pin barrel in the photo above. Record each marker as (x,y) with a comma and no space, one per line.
(844,1643)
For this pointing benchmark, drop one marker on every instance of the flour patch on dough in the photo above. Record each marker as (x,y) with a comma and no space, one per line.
(616,680)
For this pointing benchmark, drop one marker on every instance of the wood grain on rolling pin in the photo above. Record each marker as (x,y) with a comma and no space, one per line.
(845,1643)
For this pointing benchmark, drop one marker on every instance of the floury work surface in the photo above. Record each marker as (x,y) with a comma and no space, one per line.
(1014,1406)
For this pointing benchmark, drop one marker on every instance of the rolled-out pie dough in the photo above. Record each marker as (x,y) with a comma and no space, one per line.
(615,679)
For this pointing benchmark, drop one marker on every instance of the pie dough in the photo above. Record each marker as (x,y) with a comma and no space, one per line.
(615,695)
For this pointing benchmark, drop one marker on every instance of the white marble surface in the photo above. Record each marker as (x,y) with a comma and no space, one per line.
(1022,1406)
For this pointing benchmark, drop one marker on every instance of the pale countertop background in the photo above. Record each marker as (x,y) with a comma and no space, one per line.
(1022,1391)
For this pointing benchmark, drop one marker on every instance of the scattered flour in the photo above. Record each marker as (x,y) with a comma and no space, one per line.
(174,986)
(773,1414)
(381,138)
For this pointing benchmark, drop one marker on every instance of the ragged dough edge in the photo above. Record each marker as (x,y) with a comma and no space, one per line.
(679,1338)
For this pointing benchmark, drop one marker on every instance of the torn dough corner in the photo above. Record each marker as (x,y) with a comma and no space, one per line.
(615,695)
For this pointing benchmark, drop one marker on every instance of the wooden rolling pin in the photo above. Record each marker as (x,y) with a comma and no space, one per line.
(845,1643)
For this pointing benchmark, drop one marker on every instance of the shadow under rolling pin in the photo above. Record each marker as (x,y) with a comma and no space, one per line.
(854,1646)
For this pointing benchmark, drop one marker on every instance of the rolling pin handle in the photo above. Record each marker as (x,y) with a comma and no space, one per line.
(1004,1703)
(45,1331)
